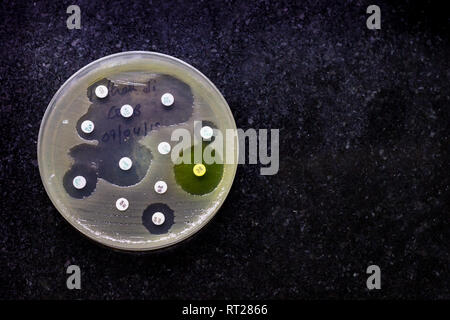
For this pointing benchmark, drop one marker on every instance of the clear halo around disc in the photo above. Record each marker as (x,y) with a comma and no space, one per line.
(99,159)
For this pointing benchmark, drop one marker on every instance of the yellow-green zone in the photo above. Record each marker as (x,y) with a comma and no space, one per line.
(198,185)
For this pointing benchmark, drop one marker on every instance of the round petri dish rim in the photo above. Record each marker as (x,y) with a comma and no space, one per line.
(88,68)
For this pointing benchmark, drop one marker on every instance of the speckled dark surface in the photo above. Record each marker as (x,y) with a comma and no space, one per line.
(364,149)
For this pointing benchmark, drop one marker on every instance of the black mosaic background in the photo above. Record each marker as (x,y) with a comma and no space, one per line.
(364,149)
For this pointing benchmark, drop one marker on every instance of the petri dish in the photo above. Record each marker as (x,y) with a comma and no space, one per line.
(118,144)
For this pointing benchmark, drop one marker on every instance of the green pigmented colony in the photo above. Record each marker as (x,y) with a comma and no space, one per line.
(198,185)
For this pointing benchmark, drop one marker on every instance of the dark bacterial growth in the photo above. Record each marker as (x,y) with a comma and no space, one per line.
(118,135)
(149,214)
